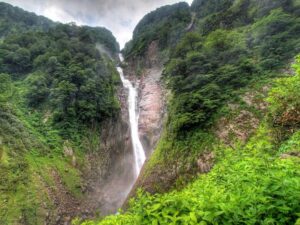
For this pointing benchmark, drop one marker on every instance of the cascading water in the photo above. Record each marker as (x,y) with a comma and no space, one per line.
(138,151)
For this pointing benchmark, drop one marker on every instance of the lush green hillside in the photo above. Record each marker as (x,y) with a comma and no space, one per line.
(56,89)
(14,20)
(229,153)
(64,73)
(256,182)
(166,25)
(209,64)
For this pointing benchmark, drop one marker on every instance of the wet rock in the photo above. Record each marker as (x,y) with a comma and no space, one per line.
(206,162)
(151,95)
(68,151)
(151,105)
(57,219)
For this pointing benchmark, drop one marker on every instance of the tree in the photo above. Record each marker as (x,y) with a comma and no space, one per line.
(38,90)
(284,100)
(188,43)
(22,59)
(5,87)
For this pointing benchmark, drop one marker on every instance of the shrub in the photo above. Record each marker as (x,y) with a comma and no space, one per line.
(5,87)
(284,99)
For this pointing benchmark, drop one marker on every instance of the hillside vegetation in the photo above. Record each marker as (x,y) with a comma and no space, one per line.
(254,183)
(165,25)
(56,90)
(229,153)
(15,20)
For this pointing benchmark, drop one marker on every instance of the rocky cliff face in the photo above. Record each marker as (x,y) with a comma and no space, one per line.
(107,175)
(151,101)
(146,73)
(110,170)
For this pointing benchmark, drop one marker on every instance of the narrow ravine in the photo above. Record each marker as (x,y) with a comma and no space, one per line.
(111,192)
(138,150)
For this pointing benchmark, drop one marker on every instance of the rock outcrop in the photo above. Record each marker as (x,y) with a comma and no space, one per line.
(110,170)
(151,102)
(151,94)
(151,106)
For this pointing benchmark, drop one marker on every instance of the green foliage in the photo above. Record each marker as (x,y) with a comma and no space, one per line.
(234,44)
(38,89)
(68,76)
(183,151)
(247,186)
(5,87)
(205,71)
(222,198)
(54,85)
(18,196)
(100,35)
(279,32)
(292,145)
(204,8)
(119,220)
(202,75)
(227,14)
(166,24)
(14,20)
(284,100)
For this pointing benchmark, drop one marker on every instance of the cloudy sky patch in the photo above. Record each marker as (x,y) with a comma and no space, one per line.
(119,16)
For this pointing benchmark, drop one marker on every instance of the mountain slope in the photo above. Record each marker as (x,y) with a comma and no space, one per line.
(228,152)
(58,98)
(165,25)
(14,20)
(253,180)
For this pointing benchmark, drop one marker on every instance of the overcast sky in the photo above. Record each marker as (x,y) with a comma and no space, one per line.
(119,16)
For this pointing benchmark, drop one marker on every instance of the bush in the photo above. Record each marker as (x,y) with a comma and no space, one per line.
(68,76)
(5,87)
(245,188)
(284,100)
(165,24)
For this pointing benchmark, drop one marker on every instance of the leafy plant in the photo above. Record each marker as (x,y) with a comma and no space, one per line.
(5,87)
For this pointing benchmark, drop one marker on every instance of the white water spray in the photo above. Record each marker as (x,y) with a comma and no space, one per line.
(138,150)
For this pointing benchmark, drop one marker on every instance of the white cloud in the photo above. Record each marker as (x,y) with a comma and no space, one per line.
(119,16)
(58,14)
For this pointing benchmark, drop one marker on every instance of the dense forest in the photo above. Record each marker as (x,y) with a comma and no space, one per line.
(231,137)
(56,90)
(64,73)
(165,24)
(15,20)
(208,65)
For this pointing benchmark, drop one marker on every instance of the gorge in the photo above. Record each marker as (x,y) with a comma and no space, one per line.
(138,150)
(195,121)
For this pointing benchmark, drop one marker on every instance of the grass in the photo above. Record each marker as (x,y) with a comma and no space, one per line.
(70,176)
(29,151)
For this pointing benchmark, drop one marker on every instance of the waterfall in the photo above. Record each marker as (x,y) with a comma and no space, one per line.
(138,151)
